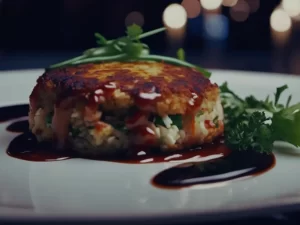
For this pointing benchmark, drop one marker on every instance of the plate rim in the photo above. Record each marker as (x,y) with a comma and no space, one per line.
(271,207)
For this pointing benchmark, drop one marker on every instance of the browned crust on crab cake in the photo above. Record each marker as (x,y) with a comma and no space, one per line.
(154,86)
(109,108)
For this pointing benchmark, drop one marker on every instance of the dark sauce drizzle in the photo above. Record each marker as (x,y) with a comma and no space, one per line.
(26,147)
(210,163)
(19,127)
(13,112)
(236,165)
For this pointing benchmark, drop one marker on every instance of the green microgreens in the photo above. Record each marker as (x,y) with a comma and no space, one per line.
(127,48)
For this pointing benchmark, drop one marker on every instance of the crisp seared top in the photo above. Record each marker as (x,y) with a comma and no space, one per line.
(132,78)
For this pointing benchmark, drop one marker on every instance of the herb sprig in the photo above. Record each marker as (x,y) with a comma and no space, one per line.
(252,124)
(127,48)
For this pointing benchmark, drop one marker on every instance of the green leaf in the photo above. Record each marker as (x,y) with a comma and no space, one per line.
(176,120)
(225,90)
(250,132)
(181,54)
(133,31)
(108,50)
(152,32)
(279,91)
(101,40)
(253,103)
(133,49)
(288,101)
(286,124)
(158,121)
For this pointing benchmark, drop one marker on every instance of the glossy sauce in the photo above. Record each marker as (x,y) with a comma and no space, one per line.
(26,147)
(104,92)
(13,112)
(236,165)
(207,164)
(18,127)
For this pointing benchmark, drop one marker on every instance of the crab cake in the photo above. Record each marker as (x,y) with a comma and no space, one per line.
(109,108)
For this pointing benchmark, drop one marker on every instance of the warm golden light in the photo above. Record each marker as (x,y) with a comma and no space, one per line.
(292,7)
(280,20)
(134,17)
(229,3)
(240,12)
(211,4)
(297,18)
(192,7)
(280,38)
(175,16)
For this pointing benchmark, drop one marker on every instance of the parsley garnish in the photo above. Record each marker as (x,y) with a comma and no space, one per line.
(134,31)
(247,126)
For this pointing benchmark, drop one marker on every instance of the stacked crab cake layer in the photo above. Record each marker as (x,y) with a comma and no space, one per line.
(109,108)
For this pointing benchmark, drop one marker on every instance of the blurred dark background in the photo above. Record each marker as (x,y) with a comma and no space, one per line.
(258,35)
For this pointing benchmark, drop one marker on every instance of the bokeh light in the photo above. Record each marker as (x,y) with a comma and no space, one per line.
(216,27)
(297,19)
(240,12)
(175,16)
(229,3)
(211,4)
(292,7)
(280,20)
(253,5)
(280,38)
(134,17)
(192,7)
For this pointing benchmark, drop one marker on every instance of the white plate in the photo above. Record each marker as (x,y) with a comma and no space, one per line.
(87,189)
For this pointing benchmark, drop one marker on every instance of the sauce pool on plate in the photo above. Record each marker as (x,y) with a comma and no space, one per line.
(236,165)
(210,163)
(26,147)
